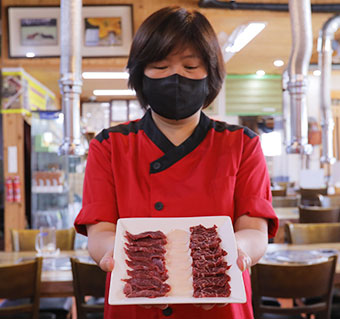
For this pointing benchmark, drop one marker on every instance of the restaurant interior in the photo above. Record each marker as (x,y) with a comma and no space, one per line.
(282,62)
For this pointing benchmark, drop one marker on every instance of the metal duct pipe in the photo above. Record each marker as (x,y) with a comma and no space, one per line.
(301,24)
(70,75)
(233,5)
(286,108)
(325,50)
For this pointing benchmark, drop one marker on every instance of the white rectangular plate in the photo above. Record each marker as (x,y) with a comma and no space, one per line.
(139,225)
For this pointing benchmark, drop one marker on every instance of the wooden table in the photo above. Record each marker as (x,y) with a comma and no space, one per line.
(324,246)
(287,213)
(54,283)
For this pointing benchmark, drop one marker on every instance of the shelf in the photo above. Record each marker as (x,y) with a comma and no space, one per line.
(48,189)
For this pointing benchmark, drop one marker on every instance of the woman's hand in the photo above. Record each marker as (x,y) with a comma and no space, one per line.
(101,237)
(243,260)
(107,262)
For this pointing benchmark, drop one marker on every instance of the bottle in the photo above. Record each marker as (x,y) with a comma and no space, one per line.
(16,189)
(9,190)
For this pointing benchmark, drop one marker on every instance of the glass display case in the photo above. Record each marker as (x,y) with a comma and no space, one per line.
(49,191)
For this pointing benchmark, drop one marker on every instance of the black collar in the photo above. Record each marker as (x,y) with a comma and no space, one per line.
(173,153)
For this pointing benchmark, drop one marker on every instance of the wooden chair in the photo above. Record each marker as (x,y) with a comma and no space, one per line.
(24,239)
(312,233)
(316,214)
(279,192)
(330,201)
(310,196)
(21,281)
(293,282)
(88,280)
(285,201)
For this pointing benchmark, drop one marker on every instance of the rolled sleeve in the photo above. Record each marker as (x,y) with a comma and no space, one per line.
(252,189)
(99,195)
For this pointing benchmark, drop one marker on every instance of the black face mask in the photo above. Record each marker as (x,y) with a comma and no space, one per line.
(175,97)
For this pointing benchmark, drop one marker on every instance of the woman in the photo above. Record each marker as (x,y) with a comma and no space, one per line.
(175,161)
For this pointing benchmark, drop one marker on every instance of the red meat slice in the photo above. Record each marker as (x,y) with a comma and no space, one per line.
(213,291)
(199,272)
(145,283)
(148,242)
(203,263)
(149,249)
(208,253)
(147,234)
(203,244)
(218,281)
(208,266)
(153,264)
(142,274)
(146,259)
(150,293)
(200,229)
(143,256)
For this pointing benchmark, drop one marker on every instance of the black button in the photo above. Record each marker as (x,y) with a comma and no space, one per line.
(167,312)
(156,165)
(159,205)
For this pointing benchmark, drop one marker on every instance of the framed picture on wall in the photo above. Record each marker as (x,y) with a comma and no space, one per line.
(33,32)
(107,30)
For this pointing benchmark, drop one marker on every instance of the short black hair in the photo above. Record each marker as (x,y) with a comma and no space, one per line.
(163,31)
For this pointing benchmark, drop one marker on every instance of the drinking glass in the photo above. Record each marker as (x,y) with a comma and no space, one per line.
(45,242)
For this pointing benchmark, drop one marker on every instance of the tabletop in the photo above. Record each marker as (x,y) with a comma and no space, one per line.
(323,247)
(287,213)
(56,277)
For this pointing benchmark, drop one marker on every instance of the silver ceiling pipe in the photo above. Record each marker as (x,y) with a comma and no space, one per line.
(70,75)
(301,24)
(285,108)
(325,50)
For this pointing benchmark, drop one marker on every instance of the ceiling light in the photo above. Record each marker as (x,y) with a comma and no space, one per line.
(114,92)
(105,75)
(260,73)
(316,72)
(242,35)
(278,63)
(30,55)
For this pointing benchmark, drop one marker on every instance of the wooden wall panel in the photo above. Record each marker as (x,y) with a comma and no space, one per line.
(13,130)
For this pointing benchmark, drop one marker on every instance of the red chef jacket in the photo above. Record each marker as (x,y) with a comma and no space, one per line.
(133,170)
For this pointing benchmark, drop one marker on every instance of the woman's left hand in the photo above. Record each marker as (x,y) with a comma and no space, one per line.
(243,260)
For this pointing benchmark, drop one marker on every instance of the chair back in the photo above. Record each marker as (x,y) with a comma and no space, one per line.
(330,201)
(88,280)
(316,214)
(312,233)
(21,281)
(310,196)
(285,201)
(293,281)
(279,192)
(24,239)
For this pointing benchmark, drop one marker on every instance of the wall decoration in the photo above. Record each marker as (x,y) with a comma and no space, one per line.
(106,31)
(33,31)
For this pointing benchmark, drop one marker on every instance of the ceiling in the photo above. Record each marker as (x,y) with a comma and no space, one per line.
(274,42)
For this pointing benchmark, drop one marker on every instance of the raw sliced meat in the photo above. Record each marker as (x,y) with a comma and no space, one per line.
(147,273)
(208,264)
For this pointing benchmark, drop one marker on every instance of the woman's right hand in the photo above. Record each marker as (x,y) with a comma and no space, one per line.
(107,262)
(101,237)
